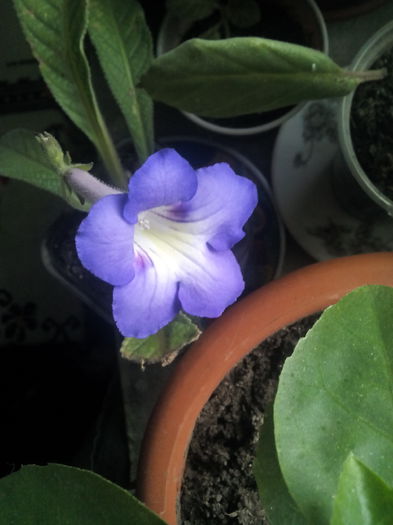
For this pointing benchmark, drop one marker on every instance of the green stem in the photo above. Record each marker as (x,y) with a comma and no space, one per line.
(368,76)
(109,156)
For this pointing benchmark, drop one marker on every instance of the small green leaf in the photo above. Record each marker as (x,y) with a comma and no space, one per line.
(243,13)
(37,161)
(60,495)
(335,397)
(164,345)
(192,10)
(362,497)
(123,43)
(276,500)
(55,30)
(235,76)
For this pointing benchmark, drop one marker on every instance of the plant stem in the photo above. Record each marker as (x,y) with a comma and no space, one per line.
(368,76)
(109,155)
(88,187)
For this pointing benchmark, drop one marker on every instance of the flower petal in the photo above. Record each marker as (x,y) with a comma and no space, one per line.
(215,284)
(165,178)
(221,205)
(148,302)
(104,241)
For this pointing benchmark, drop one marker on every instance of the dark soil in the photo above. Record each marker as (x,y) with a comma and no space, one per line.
(219,487)
(372,125)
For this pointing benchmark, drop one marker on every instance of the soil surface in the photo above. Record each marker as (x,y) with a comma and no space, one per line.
(219,486)
(372,125)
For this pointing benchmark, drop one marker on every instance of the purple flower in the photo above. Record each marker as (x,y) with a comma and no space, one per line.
(165,246)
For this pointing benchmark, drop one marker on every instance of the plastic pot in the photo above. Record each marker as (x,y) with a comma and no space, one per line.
(349,164)
(243,327)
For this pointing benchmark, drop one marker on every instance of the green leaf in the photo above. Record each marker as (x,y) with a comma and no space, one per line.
(23,156)
(276,500)
(335,397)
(243,13)
(362,497)
(164,345)
(235,76)
(192,10)
(60,495)
(55,30)
(123,43)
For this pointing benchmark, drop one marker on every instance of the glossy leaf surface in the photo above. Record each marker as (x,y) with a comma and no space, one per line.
(362,497)
(59,495)
(276,500)
(335,397)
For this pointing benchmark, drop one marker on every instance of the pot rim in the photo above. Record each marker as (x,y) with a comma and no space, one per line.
(242,327)
(367,54)
(162,48)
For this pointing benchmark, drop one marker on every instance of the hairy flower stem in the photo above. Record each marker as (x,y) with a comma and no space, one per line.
(88,187)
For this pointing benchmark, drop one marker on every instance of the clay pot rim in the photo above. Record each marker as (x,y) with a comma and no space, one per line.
(243,326)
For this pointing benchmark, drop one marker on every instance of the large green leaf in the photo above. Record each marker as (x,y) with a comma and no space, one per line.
(55,30)
(362,497)
(123,43)
(276,500)
(38,160)
(60,495)
(335,397)
(235,76)
(164,345)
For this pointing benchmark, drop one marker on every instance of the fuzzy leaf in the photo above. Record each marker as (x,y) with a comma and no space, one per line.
(55,30)
(59,495)
(24,157)
(362,497)
(335,397)
(276,500)
(235,76)
(164,345)
(123,43)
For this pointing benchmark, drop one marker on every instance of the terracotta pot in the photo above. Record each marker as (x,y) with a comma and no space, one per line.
(222,346)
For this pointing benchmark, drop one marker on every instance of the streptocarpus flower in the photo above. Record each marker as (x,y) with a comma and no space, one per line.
(166,245)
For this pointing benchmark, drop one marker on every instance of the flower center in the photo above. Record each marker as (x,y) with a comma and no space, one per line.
(144,223)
